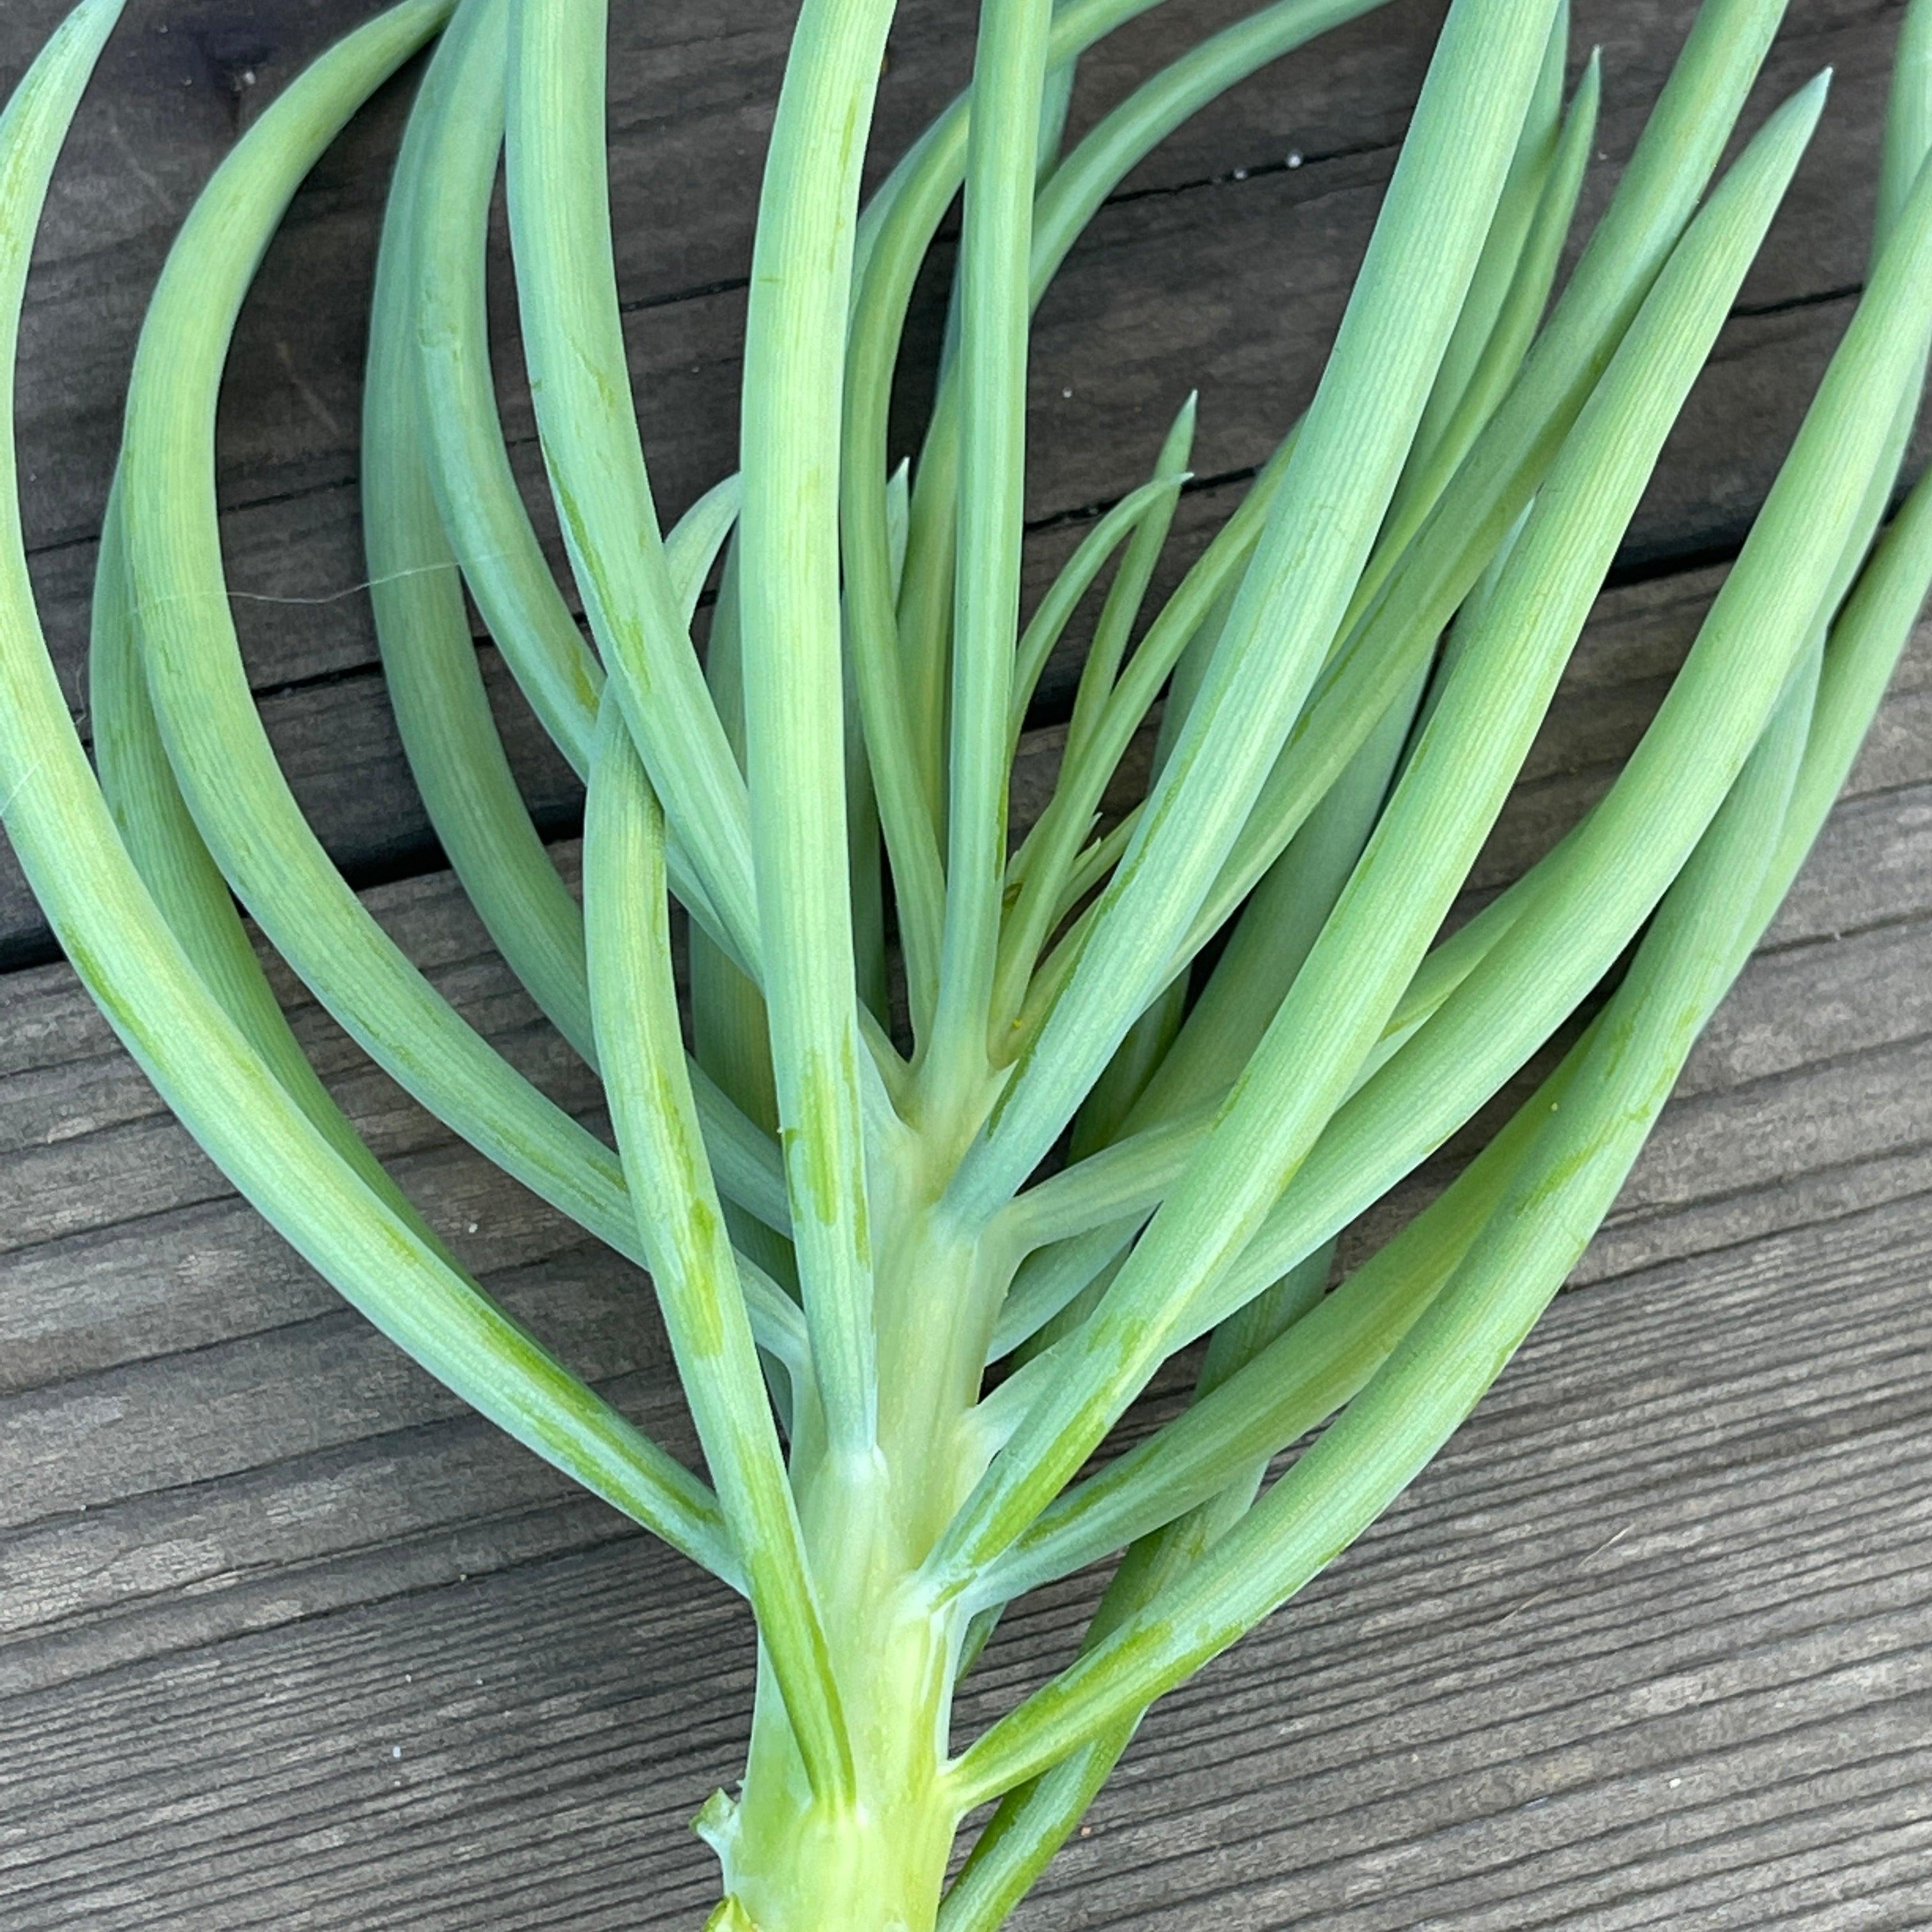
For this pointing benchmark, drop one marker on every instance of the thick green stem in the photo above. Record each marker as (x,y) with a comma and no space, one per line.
(793,1864)
(875,1862)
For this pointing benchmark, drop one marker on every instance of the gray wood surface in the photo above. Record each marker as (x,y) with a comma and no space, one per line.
(287,1639)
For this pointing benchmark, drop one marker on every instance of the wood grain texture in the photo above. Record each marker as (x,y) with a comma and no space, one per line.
(288,1639)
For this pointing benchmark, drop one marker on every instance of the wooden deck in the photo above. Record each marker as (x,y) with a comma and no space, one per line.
(290,1640)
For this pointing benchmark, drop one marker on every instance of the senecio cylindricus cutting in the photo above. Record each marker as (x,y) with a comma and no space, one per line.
(958,1137)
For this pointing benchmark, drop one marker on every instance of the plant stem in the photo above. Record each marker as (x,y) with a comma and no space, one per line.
(793,1862)
(1009,72)
(791,636)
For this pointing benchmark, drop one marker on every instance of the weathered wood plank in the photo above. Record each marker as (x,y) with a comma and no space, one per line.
(1650,1637)
(1610,1795)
